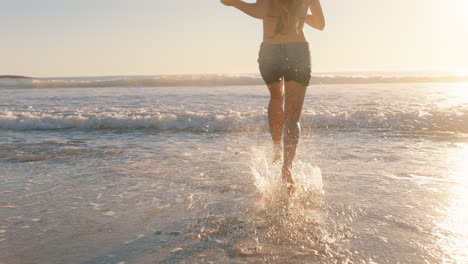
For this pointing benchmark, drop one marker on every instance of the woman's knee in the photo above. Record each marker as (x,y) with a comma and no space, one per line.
(292,113)
(291,125)
(276,100)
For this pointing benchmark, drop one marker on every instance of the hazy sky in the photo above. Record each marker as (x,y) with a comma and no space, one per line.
(148,37)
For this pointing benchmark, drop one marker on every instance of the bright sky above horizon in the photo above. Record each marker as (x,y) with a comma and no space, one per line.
(151,37)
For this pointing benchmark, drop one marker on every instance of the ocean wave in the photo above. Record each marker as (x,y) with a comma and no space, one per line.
(454,120)
(210,80)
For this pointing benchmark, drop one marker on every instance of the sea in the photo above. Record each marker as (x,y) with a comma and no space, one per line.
(178,169)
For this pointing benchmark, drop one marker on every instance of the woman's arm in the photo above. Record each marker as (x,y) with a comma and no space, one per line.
(252,9)
(316,20)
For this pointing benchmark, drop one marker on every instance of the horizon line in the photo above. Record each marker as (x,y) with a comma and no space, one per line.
(463,72)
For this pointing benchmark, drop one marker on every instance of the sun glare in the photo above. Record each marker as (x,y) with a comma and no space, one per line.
(457,212)
(457,95)
(461,72)
(461,10)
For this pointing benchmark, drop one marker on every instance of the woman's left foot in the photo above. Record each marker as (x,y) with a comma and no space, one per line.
(277,158)
(278,153)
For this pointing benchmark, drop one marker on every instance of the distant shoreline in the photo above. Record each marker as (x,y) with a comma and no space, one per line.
(208,80)
(14,77)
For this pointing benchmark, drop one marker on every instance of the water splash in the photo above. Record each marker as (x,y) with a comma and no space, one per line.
(267,179)
(302,226)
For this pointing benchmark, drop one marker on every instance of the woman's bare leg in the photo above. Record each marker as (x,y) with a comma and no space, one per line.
(293,102)
(275,117)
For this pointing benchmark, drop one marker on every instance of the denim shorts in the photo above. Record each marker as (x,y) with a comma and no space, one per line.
(288,62)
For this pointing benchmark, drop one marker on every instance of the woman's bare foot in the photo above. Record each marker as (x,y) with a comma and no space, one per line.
(277,156)
(287,178)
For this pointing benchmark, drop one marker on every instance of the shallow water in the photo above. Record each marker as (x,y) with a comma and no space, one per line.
(381,176)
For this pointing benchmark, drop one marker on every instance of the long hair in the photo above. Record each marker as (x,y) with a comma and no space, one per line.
(287,11)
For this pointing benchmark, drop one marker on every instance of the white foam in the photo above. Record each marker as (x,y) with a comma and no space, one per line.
(446,120)
(267,179)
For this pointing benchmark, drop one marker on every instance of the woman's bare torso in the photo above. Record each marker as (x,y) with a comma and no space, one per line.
(293,32)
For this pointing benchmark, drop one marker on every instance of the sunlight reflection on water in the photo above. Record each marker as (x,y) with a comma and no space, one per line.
(457,95)
(456,219)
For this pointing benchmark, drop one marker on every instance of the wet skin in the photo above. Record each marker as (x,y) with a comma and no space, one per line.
(285,107)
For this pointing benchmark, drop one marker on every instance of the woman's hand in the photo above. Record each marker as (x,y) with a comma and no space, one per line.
(255,10)
(229,2)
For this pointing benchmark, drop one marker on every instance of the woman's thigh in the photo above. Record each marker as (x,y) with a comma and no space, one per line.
(294,100)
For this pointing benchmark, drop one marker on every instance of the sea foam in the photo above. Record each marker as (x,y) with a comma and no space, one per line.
(443,120)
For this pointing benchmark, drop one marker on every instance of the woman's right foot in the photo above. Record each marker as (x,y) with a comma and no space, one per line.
(287,178)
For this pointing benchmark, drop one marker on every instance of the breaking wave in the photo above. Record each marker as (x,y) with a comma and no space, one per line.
(452,120)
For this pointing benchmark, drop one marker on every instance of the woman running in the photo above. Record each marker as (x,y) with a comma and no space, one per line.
(284,59)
